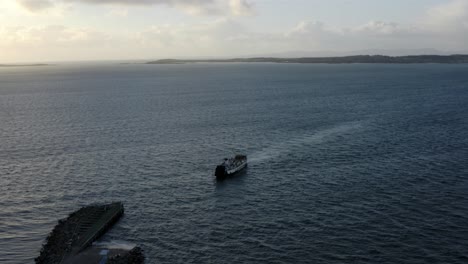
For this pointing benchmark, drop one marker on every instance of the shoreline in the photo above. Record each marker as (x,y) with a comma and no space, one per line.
(359,59)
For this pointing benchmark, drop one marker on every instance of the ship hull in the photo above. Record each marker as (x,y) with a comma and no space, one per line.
(222,173)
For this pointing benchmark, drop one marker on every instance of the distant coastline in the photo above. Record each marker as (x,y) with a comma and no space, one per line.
(24,65)
(449,59)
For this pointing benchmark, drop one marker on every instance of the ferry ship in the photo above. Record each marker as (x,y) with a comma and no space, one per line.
(231,166)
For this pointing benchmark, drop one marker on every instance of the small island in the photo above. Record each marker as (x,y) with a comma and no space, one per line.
(448,59)
(24,65)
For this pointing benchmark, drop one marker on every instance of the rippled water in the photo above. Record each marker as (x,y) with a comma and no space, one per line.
(348,163)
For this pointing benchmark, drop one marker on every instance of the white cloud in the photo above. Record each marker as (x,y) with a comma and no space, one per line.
(118,12)
(35,5)
(47,36)
(307,27)
(449,17)
(57,42)
(219,37)
(453,10)
(146,2)
(182,39)
(448,24)
(443,27)
(193,7)
(380,28)
(241,7)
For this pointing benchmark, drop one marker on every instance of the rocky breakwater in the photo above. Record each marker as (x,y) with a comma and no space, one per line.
(75,233)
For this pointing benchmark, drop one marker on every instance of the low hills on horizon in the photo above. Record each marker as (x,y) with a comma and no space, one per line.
(411,59)
(376,59)
(24,65)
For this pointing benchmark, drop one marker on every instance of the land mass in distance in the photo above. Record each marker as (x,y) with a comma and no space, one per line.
(24,65)
(331,60)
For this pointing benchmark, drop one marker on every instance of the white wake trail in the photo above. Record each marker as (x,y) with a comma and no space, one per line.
(290,145)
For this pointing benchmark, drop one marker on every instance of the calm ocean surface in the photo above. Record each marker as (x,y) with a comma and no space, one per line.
(347,163)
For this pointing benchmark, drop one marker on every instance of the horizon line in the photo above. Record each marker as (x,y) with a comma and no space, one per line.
(213,58)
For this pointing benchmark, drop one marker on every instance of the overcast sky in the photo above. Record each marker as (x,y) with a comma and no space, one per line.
(68,30)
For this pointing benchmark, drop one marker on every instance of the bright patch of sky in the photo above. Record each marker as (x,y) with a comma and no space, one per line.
(55,30)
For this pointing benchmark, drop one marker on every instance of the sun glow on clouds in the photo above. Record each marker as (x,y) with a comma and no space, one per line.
(193,7)
(33,30)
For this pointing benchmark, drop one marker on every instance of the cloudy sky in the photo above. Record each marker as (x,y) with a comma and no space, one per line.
(68,30)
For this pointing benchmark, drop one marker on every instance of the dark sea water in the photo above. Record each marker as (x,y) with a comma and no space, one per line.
(347,163)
